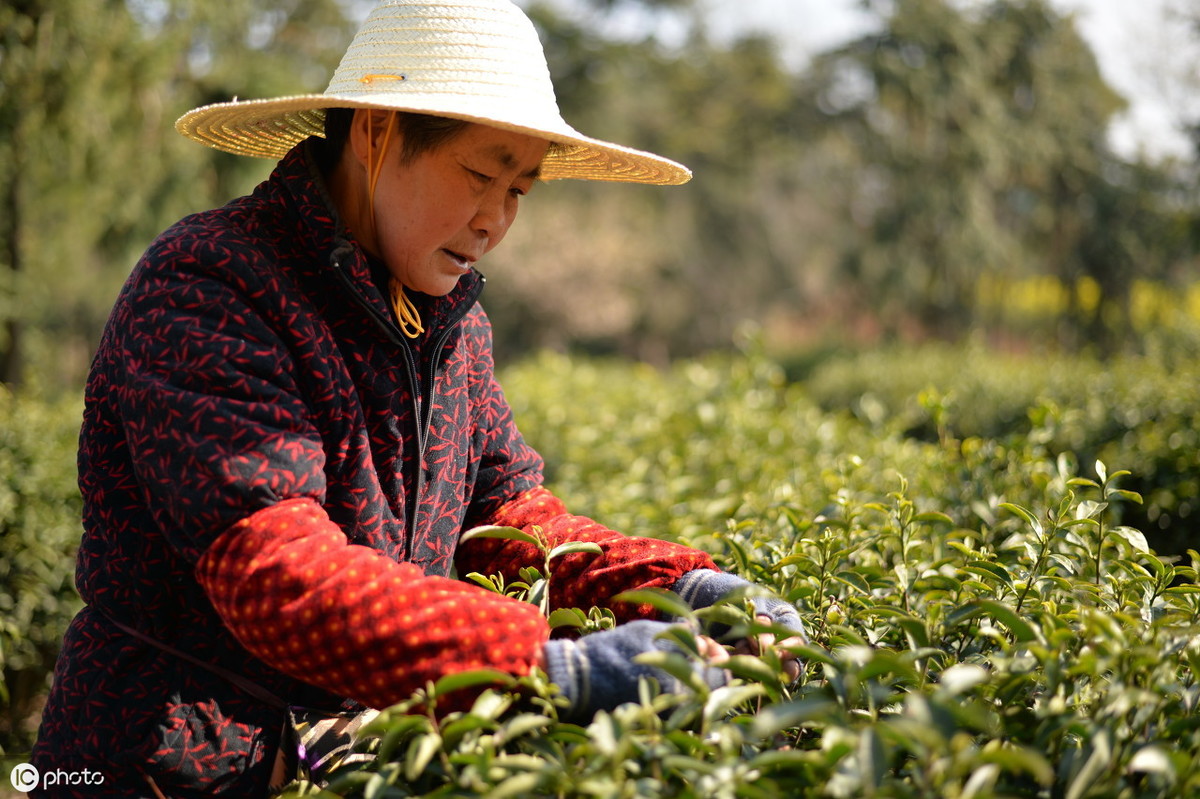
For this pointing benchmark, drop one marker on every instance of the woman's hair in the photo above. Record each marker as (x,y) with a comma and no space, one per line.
(419,133)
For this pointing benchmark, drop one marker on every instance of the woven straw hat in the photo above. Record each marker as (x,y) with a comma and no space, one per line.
(475,60)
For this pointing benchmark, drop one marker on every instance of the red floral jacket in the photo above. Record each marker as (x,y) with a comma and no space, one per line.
(275,481)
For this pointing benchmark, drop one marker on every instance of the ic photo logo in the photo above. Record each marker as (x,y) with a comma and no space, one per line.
(26,777)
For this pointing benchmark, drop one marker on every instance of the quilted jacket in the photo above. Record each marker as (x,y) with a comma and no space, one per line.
(275,481)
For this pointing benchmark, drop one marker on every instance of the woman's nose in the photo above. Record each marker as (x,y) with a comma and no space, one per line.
(494,214)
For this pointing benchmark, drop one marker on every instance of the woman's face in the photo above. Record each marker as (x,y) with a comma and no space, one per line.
(438,214)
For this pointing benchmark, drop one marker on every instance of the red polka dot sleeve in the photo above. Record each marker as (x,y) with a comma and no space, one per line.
(583,579)
(347,618)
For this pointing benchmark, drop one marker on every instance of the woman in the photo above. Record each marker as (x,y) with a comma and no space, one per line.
(292,418)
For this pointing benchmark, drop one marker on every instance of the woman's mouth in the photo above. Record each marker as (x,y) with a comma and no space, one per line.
(461,261)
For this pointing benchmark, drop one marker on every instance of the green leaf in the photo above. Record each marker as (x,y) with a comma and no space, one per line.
(1025,514)
(723,613)
(724,699)
(1099,760)
(517,785)
(666,602)
(1022,631)
(853,581)
(785,759)
(1120,493)
(683,636)
(793,714)
(573,547)
(491,704)
(1162,571)
(453,731)
(1135,538)
(567,617)
(1076,482)
(1089,509)
(420,752)
(389,720)
(485,581)
(750,668)
(962,677)
(988,569)
(1152,759)
(470,679)
(916,629)
(501,532)
(872,758)
(678,666)
(392,731)
(804,561)
(1016,759)
(522,724)
(539,595)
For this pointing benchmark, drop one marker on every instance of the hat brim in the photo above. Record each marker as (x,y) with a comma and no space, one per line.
(270,128)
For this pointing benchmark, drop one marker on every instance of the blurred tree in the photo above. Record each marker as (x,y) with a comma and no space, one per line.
(659,272)
(1094,220)
(91,166)
(960,138)
(973,124)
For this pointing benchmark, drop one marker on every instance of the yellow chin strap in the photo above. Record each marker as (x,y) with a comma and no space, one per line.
(407,314)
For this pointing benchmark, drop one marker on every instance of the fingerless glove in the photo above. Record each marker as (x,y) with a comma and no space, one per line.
(701,588)
(597,672)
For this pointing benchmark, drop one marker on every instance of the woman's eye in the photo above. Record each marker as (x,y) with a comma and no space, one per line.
(479,176)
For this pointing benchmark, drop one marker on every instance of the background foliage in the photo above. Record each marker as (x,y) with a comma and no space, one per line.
(909,184)
(39,529)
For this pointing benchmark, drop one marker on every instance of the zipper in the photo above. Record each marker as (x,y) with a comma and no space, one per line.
(422,411)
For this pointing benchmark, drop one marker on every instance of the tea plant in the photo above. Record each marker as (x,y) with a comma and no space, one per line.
(1136,410)
(985,619)
(1052,655)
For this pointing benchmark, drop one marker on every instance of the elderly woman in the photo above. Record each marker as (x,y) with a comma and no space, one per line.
(292,418)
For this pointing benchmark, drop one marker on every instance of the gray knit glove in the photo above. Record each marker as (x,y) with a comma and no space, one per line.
(597,672)
(701,588)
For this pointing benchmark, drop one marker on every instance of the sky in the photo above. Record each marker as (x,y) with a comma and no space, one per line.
(1144,50)
(1147,54)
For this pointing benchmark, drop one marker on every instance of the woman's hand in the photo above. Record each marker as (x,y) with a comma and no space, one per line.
(763,642)
(711,650)
(703,588)
(600,671)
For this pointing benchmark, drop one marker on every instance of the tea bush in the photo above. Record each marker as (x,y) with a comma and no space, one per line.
(39,530)
(1142,411)
(983,623)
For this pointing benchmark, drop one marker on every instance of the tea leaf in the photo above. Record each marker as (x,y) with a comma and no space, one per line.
(501,532)
(666,602)
(470,679)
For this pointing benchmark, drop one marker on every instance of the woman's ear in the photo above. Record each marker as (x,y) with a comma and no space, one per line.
(366,130)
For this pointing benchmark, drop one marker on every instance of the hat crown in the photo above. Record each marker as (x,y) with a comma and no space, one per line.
(480,61)
(464,55)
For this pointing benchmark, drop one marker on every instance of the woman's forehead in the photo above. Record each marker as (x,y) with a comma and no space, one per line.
(506,149)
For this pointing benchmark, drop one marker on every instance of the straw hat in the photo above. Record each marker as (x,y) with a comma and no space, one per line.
(476,60)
